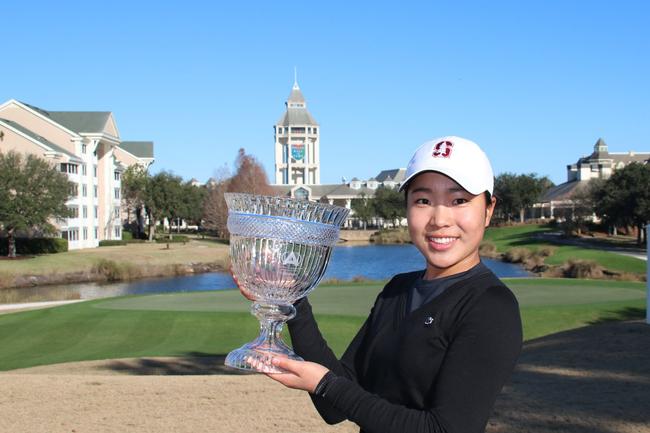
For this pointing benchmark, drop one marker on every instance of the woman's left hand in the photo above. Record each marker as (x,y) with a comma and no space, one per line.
(303,375)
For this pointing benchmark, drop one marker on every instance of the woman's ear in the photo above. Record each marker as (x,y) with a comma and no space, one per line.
(489,210)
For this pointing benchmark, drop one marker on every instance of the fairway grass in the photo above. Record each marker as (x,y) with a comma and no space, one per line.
(524,236)
(213,323)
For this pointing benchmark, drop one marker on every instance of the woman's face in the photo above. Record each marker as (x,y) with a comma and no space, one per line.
(446,223)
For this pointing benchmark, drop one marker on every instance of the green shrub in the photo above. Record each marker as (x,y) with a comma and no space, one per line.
(111,243)
(127,236)
(36,245)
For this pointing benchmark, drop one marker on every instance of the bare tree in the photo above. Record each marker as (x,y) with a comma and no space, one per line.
(249,177)
(215,211)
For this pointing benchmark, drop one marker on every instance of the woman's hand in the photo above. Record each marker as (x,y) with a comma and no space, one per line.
(302,375)
(248,295)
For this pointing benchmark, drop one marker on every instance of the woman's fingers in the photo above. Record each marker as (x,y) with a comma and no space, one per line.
(295,374)
(287,364)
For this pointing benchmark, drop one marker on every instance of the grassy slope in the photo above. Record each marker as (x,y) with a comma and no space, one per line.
(217,322)
(144,254)
(523,236)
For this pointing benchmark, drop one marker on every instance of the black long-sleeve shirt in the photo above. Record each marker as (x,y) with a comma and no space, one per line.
(436,369)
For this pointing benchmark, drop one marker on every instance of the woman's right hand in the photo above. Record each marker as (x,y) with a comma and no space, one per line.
(248,295)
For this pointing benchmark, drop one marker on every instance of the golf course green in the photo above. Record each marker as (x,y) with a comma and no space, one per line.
(212,323)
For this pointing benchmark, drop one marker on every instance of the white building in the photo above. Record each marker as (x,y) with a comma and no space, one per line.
(297,143)
(87,147)
(600,164)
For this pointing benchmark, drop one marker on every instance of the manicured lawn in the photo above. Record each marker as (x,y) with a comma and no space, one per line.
(217,322)
(510,236)
(524,236)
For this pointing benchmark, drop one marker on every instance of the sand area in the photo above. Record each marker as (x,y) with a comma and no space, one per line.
(590,380)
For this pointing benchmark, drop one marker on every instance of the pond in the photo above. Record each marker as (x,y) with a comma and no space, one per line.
(374,262)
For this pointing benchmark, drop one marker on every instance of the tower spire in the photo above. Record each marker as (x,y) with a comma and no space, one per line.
(295,77)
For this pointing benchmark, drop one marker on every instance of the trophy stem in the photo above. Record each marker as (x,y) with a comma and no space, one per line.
(256,356)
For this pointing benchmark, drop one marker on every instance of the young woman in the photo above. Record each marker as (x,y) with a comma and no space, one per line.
(438,344)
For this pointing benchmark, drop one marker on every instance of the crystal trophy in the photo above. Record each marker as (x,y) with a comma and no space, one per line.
(279,250)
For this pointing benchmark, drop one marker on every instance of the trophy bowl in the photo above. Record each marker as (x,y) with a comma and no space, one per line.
(279,250)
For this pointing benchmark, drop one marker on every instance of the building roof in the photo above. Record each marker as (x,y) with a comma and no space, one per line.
(141,149)
(629,157)
(328,190)
(564,191)
(34,136)
(296,94)
(395,175)
(296,116)
(602,154)
(600,150)
(76,121)
(81,121)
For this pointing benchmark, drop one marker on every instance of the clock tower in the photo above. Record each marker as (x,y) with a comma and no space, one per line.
(297,143)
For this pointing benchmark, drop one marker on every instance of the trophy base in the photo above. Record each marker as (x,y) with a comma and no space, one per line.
(256,356)
(257,359)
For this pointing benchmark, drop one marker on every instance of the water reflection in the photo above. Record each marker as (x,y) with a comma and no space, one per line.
(376,262)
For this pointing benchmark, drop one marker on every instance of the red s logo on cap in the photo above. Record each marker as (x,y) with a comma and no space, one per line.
(442,149)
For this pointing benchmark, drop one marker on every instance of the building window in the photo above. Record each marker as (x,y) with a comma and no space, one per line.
(73,190)
(84,190)
(94,170)
(85,231)
(96,232)
(69,168)
(117,193)
(315,130)
(85,211)
(95,191)
(118,232)
(297,130)
(84,169)
(70,234)
(117,175)
(74,211)
(301,194)
(117,213)
(96,213)
(83,148)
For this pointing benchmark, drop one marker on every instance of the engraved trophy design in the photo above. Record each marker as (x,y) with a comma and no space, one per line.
(279,250)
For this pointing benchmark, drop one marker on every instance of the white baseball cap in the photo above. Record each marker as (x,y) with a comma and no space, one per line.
(457,158)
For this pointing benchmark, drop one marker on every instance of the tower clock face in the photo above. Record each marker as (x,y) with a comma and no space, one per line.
(298,151)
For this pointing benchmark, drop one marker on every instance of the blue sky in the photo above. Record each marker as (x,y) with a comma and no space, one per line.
(535,83)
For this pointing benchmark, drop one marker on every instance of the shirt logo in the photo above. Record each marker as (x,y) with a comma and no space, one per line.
(442,149)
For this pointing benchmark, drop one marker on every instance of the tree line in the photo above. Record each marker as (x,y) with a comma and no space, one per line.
(515,194)
(33,193)
(165,195)
(623,200)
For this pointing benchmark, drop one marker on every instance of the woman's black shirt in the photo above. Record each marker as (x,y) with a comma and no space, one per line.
(438,368)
